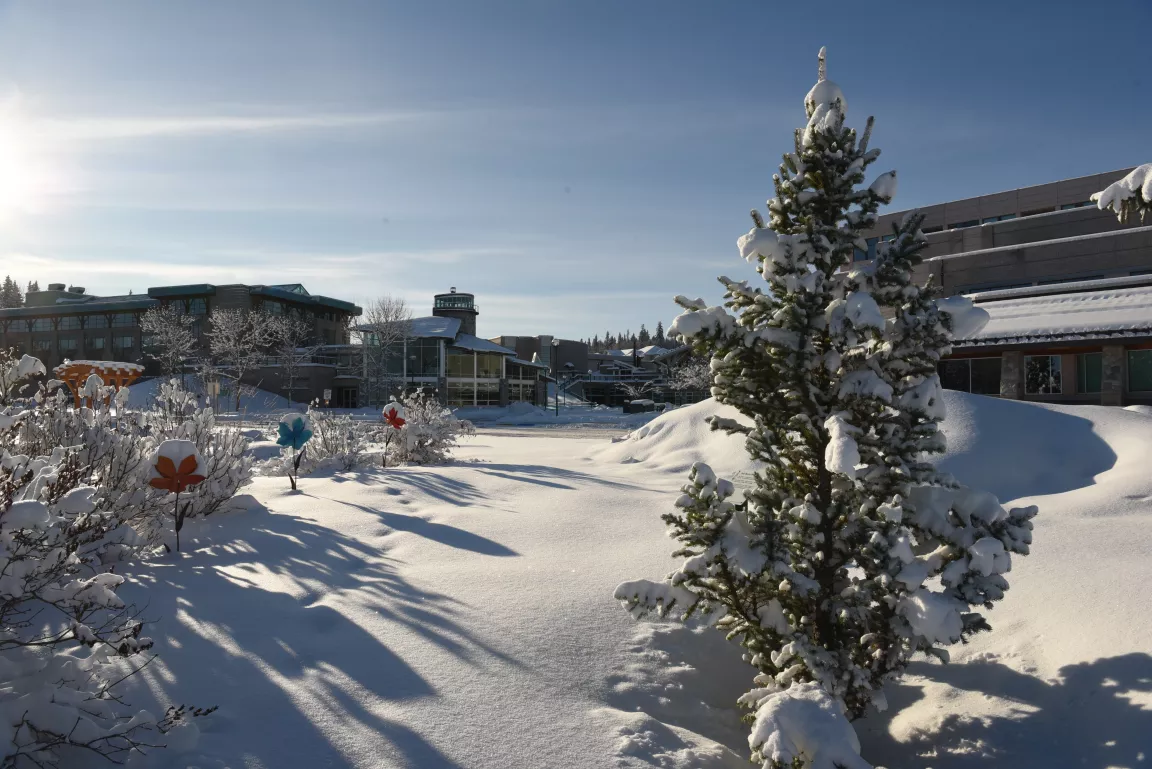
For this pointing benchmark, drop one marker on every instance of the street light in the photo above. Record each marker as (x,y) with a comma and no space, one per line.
(556,373)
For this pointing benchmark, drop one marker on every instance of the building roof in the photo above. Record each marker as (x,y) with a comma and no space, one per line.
(294,292)
(435,326)
(81,305)
(1107,312)
(475,343)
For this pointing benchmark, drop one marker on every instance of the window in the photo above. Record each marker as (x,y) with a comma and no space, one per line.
(1001,218)
(123,320)
(1081,204)
(1054,281)
(860,256)
(971,375)
(1089,372)
(123,342)
(461,394)
(42,345)
(69,323)
(95,343)
(67,345)
(424,357)
(1036,211)
(198,306)
(488,394)
(460,363)
(1042,374)
(273,308)
(887,238)
(40,324)
(961,225)
(986,376)
(488,365)
(97,321)
(1140,371)
(930,230)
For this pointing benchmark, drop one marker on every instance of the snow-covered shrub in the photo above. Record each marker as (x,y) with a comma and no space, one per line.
(852,552)
(62,626)
(16,373)
(430,431)
(117,447)
(338,441)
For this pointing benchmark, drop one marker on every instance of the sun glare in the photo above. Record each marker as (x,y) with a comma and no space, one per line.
(29,180)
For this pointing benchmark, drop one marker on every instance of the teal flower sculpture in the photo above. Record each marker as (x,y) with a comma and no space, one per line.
(294,431)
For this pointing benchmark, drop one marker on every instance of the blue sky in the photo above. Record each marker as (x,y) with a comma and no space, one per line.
(575,165)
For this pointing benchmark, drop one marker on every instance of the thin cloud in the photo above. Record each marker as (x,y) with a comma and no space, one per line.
(118,128)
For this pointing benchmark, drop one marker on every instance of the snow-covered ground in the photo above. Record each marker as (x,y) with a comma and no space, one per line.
(462,616)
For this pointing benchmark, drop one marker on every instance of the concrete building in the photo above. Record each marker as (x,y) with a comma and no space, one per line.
(557,355)
(1068,289)
(61,324)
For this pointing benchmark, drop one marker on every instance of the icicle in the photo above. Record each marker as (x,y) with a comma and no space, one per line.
(822,71)
(867,135)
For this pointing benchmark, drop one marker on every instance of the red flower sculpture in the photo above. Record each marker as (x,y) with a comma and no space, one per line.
(176,479)
(393,419)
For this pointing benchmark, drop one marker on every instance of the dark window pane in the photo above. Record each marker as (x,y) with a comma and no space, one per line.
(1089,372)
(1042,374)
(986,376)
(1140,371)
(955,375)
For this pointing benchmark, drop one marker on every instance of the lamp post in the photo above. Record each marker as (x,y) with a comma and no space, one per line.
(556,373)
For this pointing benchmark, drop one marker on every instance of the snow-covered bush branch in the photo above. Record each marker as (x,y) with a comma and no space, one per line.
(1131,195)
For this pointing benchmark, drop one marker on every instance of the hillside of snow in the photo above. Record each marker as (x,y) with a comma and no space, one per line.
(462,616)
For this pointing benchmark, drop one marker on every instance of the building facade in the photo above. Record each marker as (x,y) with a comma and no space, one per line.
(61,324)
(1067,287)
(440,355)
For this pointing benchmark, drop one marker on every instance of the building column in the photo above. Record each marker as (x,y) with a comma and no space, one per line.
(1112,375)
(503,391)
(1012,374)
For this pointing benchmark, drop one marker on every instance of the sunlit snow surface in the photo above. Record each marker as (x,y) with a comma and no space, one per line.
(462,616)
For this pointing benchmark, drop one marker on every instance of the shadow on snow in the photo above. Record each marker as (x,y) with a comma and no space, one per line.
(1083,718)
(299,683)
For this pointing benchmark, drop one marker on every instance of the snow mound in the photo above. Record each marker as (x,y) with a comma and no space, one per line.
(1051,449)
(142,395)
(675,440)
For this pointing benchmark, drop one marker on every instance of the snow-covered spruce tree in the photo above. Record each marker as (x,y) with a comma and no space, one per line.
(1131,195)
(851,553)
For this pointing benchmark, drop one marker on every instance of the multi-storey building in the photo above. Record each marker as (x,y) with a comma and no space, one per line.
(1067,287)
(61,323)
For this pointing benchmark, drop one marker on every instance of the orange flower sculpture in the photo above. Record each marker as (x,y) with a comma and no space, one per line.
(176,479)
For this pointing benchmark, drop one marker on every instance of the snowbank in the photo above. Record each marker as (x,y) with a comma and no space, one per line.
(525,414)
(673,441)
(143,395)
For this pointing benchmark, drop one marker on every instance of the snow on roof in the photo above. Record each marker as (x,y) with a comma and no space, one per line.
(1099,314)
(469,342)
(99,365)
(522,362)
(1126,281)
(435,326)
